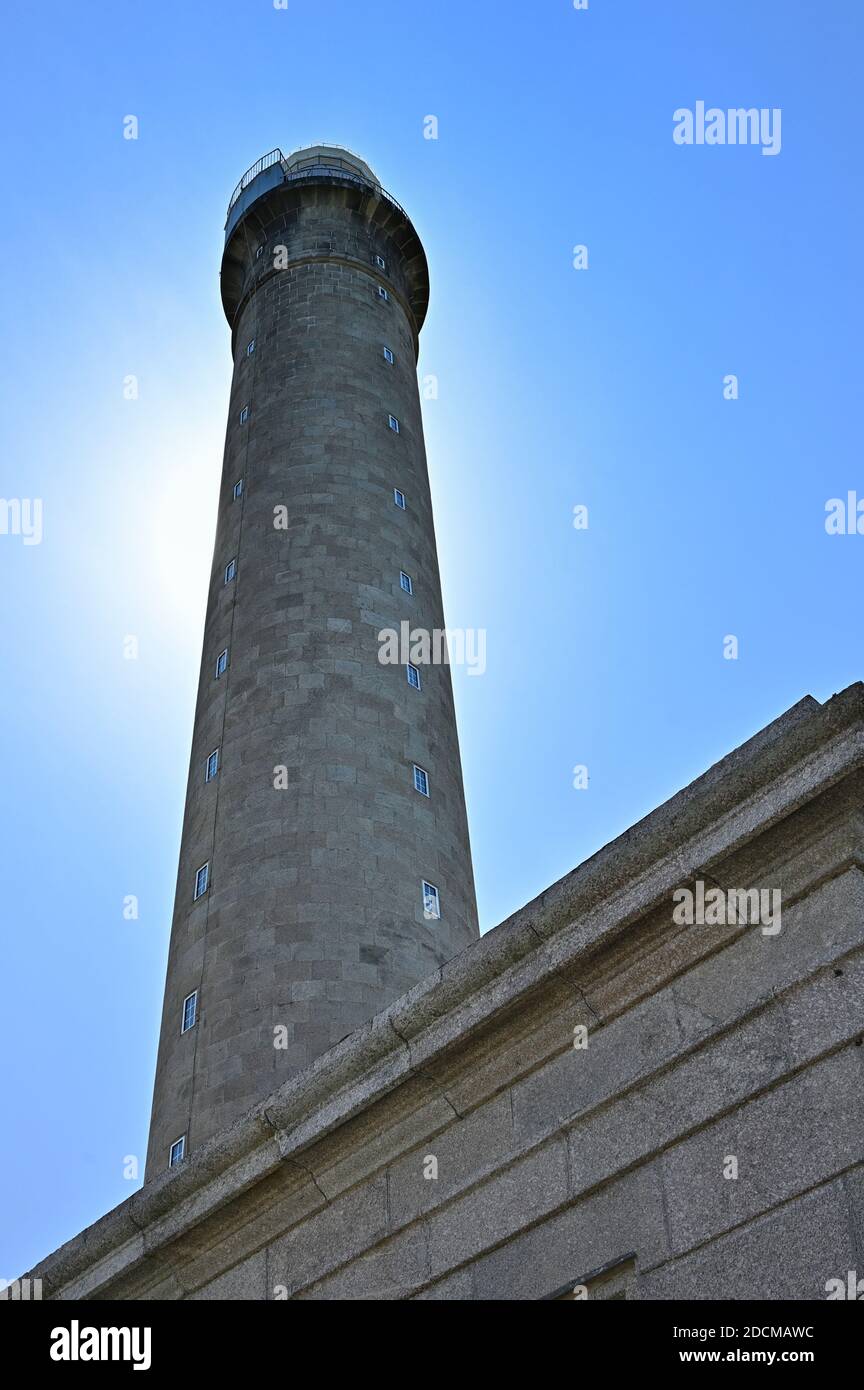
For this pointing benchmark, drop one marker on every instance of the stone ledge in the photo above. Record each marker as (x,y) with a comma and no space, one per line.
(794,759)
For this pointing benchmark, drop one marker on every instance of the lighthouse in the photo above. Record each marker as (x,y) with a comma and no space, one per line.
(325,863)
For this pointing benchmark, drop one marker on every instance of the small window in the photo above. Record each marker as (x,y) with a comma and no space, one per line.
(250,347)
(190,1011)
(212,766)
(405,581)
(177,1152)
(413,676)
(259,252)
(393,423)
(421,780)
(399,498)
(388,355)
(230,571)
(382,293)
(380,262)
(222,663)
(238,489)
(244,415)
(202,878)
(431,900)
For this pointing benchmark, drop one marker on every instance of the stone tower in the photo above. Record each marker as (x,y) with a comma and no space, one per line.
(325,799)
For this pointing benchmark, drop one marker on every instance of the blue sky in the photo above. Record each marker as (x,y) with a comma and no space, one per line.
(557,387)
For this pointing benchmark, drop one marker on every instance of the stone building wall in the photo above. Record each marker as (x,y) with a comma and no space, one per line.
(561,1165)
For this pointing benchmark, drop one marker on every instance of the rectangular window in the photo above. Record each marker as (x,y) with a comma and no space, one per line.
(177,1152)
(431,900)
(212,766)
(413,676)
(250,347)
(221,663)
(393,423)
(230,571)
(382,293)
(380,262)
(399,498)
(405,581)
(190,1011)
(202,878)
(238,489)
(388,355)
(259,252)
(244,415)
(421,780)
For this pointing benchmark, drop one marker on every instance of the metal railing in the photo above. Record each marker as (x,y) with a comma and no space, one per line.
(273,157)
(342,168)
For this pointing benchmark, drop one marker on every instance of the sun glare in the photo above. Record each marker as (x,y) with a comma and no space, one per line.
(184,525)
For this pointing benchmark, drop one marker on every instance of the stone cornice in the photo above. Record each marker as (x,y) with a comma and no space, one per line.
(372,203)
(795,759)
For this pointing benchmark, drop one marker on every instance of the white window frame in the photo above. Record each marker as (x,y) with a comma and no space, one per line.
(406,583)
(172,1160)
(389,355)
(399,499)
(197,891)
(380,262)
(184,1026)
(208,775)
(237,492)
(231,570)
(414,684)
(433,897)
(421,780)
(244,415)
(383,294)
(394,424)
(220,668)
(260,252)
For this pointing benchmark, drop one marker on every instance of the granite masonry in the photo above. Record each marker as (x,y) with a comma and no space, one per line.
(604,1167)
(300,908)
